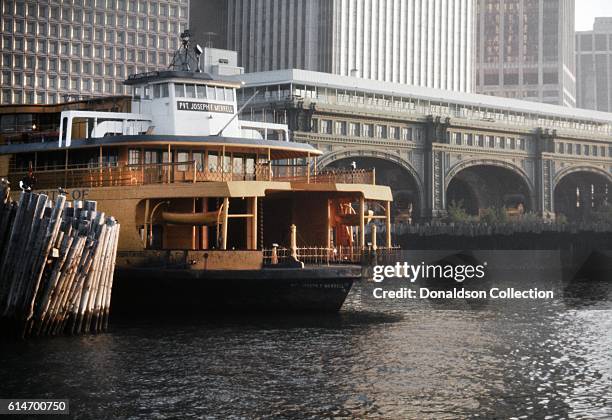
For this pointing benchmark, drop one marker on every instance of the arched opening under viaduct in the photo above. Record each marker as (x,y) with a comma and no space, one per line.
(406,204)
(579,194)
(488,186)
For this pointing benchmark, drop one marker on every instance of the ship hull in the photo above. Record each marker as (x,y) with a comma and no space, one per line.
(186,291)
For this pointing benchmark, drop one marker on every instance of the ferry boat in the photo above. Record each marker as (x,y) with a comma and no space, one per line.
(216,213)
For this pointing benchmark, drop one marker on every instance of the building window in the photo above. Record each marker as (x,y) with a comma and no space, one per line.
(407,134)
(341,128)
(326,126)
(381,131)
(354,129)
(491,141)
(457,138)
(315,125)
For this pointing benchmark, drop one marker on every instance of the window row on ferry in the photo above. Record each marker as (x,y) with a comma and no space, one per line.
(186,90)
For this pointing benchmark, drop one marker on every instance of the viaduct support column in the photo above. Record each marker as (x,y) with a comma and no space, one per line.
(435,191)
(544,173)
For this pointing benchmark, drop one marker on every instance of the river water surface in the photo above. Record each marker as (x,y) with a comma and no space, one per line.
(382,359)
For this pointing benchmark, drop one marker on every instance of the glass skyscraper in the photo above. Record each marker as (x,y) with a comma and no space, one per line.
(58,50)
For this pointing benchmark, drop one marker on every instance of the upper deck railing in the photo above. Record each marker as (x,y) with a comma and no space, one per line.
(85,176)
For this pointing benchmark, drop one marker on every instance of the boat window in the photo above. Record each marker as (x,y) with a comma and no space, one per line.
(229,94)
(219,94)
(110,158)
(7,123)
(227,164)
(151,157)
(238,166)
(133,157)
(250,165)
(201,91)
(190,90)
(198,157)
(164,90)
(210,92)
(156,91)
(182,157)
(179,90)
(213,162)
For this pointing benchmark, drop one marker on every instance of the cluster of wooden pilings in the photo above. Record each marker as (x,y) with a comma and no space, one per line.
(56,265)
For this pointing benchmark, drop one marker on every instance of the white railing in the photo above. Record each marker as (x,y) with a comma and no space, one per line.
(263,128)
(125,123)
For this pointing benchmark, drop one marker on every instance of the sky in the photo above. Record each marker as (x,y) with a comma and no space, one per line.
(587,10)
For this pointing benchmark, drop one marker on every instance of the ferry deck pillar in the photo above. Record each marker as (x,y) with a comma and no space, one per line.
(388,224)
(225,220)
(251,234)
(362,222)
(204,229)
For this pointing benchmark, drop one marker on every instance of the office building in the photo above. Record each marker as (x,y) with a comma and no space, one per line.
(54,51)
(418,42)
(593,66)
(525,50)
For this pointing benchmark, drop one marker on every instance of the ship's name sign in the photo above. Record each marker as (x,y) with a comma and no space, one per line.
(204,107)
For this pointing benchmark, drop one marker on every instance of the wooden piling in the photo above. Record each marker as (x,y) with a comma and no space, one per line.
(57,261)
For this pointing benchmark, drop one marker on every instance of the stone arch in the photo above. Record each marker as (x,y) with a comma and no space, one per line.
(331,157)
(472,163)
(580,168)
(579,191)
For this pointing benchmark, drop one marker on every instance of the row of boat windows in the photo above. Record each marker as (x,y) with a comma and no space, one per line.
(237,163)
(185,90)
(213,161)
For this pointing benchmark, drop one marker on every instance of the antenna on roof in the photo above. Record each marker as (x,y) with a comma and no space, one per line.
(184,57)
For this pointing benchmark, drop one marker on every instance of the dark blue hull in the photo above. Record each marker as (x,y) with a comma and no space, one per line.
(316,289)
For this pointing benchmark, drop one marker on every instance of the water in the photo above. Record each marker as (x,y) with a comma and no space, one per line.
(382,359)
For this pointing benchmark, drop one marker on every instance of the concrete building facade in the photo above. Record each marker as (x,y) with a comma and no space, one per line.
(525,50)
(58,50)
(594,66)
(418,42)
